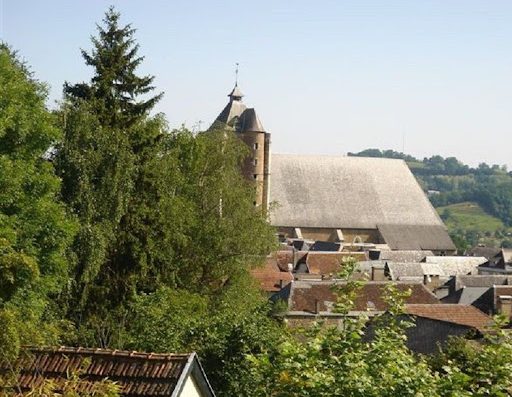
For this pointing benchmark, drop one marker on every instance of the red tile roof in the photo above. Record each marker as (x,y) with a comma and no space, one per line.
(270,277)
(305,295)
(137,374)
(452,313)
(330,262)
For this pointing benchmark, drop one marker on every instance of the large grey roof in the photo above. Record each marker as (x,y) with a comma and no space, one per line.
(416,237)
(346,192)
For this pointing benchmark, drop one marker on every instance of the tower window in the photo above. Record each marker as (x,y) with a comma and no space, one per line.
(255,146)
(255,161)
(255,176)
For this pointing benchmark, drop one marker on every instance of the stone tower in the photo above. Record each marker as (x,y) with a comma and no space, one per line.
(245,123)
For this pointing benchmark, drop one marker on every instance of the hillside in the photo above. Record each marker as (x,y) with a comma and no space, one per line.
(469,225)
(475,203)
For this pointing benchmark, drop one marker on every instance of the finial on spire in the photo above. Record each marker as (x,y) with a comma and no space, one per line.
(236,94)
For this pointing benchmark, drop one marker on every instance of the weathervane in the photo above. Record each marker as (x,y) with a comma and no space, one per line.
(236,73)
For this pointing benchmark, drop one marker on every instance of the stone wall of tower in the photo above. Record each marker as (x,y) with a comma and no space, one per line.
(255,166)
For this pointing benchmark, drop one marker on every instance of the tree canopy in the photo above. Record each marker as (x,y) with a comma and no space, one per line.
(35,229)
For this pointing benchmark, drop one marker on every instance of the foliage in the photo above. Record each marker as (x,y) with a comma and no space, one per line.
(115,88)
(341,361)
(35,230)
(469,225)
(453,182)
(470,369)
(157,209)
(71,386)
(222,328)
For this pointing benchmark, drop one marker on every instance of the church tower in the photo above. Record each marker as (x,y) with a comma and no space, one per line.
(247,126)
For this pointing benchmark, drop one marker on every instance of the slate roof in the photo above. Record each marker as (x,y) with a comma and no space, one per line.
(404,255)
(416,237)
(303,296)
(249,122)
(325,246)
(238,116)
(354,193)
(399,271)
(468,296)
(457,265)
(457,314)
(230,113)
(487,252)
(137,374)
(480,281)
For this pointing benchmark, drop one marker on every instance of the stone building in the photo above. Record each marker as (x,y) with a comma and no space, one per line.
(352,200)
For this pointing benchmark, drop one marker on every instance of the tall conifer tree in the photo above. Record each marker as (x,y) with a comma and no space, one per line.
(104,139)
(115,88)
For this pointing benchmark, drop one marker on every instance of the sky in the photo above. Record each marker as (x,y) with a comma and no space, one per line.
(326,77)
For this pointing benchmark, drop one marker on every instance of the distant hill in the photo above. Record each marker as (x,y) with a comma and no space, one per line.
(476,203)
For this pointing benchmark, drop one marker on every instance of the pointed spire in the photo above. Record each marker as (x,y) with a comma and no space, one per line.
(236,94)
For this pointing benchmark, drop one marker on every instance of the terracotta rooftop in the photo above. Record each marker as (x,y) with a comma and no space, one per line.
(137,374)
(330,262)
(270,276)
(304,296)
(452,313)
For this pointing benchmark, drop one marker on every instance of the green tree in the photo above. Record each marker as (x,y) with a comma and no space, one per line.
(115,89)
(35,230)
(223,329)
(107,137)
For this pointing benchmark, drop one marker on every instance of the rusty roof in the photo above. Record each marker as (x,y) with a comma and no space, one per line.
(304,296)
(452,313)
(284,258)
(270,277)
(137,373)
(330,262)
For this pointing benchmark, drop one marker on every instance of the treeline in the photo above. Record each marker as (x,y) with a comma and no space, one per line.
(449,181)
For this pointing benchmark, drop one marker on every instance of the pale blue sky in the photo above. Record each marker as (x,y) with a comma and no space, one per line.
(325,76)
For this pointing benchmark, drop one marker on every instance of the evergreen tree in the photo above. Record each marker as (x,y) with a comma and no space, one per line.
(107,138)
(156,208)
(115,88)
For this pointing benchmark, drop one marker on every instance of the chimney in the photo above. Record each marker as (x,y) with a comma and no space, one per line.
(504,305)
(317,306)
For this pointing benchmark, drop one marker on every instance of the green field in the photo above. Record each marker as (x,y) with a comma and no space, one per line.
(470,216)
